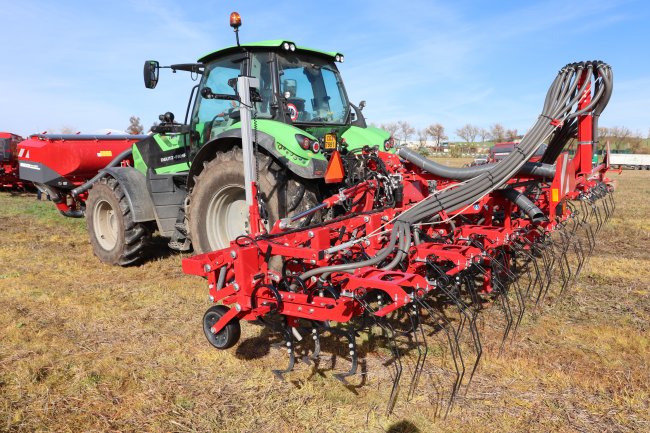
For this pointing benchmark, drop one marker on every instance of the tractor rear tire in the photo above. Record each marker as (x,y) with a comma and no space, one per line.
(218,212)
(228,336)
(116,239)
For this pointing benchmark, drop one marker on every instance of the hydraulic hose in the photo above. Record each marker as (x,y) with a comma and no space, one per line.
(118,159)
(564,93)
(534,169)
(524,203)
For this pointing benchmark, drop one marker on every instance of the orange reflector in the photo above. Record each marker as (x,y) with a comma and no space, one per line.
(555,195)
(335,172)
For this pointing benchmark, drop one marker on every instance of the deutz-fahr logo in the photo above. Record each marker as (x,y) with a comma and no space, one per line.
(172,157)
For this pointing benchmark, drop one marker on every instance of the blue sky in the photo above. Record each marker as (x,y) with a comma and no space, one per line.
(78,64)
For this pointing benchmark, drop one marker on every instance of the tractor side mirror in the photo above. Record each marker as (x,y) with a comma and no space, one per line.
(150,72)
(362,104)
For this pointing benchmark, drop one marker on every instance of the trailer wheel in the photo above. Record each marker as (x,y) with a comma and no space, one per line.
(228,336)
(115,238)
(218,212)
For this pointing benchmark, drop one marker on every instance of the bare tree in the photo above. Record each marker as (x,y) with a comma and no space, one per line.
(484,134)
(423,135)
(468,133)
(620,135)
(512,134)
(135,127)
(497,132)
(437,133)
(391,127)
(405,129)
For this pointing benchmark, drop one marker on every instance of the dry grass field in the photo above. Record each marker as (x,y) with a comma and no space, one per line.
(88,347)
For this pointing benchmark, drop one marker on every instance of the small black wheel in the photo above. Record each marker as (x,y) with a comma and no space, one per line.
(228,336)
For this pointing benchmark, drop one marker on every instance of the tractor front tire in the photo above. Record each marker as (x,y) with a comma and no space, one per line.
(116,239)
(218,212)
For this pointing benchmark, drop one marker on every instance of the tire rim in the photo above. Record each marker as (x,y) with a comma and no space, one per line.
(105,224)
(219,339)
(227,216)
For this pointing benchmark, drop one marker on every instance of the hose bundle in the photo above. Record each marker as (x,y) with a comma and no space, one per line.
(558,117)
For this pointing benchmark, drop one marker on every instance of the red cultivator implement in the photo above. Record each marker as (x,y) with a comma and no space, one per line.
(417,250)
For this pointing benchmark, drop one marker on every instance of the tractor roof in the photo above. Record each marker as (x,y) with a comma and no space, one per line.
(269,45)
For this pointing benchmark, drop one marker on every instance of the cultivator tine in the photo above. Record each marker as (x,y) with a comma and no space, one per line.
(612,200)
(288,336)
(315,335)
(529,262)
(532,256)
(465,280)
(476,339)
(454,347)
(352,350)
(388,330)
(547,253)
(422,347)
(608,211)
(589,232)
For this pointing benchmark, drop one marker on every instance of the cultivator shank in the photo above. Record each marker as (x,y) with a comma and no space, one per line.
(418,251)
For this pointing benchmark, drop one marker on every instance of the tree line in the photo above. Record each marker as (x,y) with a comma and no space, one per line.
(470,134)
(620,138)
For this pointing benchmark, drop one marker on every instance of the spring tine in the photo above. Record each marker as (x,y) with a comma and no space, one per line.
(502,294)
(453,346)
(316,337)
(352,350)
(532,261)
(521,303)
(288,335)
(548,259)
(397,364)
(471,319)
(422,346)
(387,328)
(565,268)
(599,218)
(476,338)
(603,204)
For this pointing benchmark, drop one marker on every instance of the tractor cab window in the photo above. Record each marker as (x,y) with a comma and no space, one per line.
(313,89)
(212,116)
(261,68)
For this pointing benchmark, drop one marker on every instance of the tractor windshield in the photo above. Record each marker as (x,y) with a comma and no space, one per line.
(313,89)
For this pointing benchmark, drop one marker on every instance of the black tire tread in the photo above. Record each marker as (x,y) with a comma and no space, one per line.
(135,237)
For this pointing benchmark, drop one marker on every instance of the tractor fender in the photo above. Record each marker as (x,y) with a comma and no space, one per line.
(228,139)
(134,185)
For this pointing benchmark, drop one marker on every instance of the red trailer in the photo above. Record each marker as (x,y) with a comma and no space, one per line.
(57,164)
(8,161)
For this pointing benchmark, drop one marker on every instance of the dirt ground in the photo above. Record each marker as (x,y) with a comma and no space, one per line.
(89,347)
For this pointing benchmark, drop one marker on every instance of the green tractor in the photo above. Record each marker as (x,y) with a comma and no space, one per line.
(187,181)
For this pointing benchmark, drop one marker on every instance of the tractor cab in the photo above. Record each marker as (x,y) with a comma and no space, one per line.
(298,86)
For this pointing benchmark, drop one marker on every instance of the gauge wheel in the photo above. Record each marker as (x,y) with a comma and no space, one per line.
(228,336)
